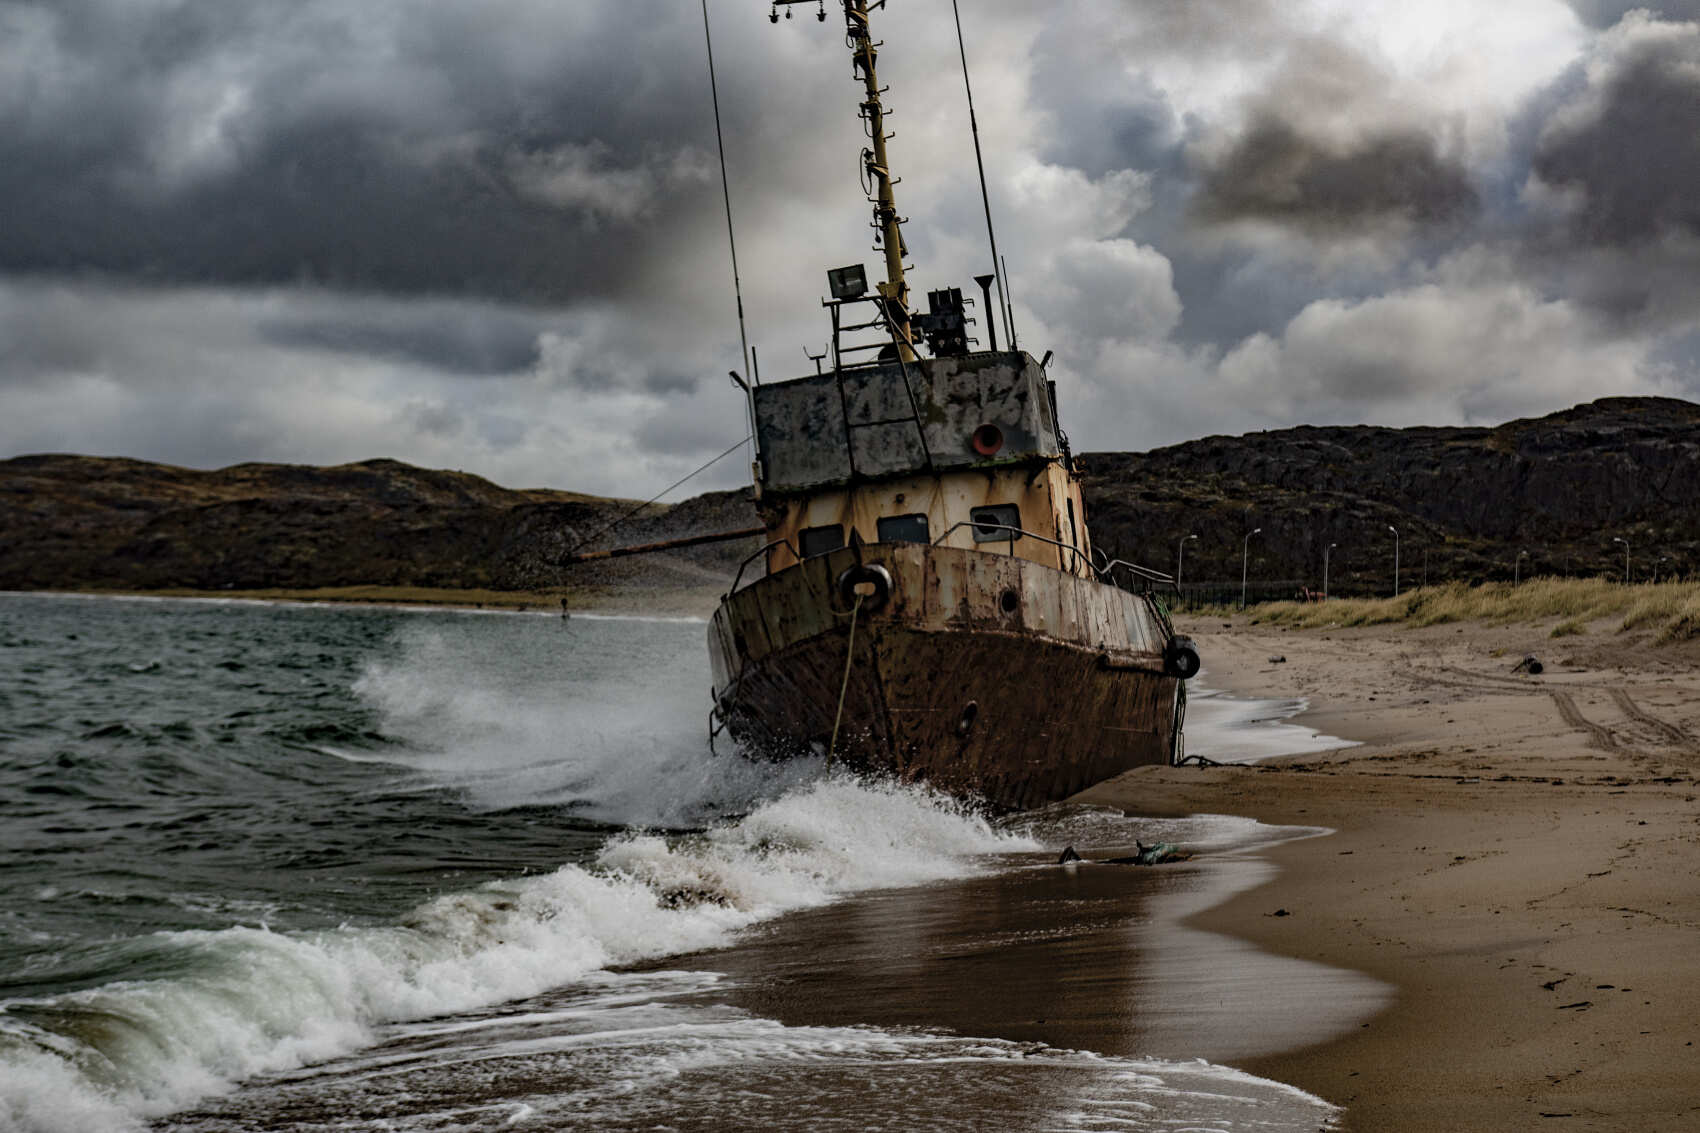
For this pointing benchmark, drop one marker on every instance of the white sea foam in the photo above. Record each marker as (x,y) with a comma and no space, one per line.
(251,1001)
(647,1050)
(581,733)
(1231,729)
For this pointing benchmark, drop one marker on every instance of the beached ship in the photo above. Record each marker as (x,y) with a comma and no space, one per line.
(929,602)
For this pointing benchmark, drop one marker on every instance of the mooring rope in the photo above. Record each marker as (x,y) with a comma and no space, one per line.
(849,657)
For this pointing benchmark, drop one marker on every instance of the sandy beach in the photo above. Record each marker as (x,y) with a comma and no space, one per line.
(1518,856)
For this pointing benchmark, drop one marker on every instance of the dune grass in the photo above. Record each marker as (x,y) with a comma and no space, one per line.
(1670,609)
(1684,624)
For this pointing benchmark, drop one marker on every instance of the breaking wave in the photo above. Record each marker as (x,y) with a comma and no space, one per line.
(237,1002)
(598,742)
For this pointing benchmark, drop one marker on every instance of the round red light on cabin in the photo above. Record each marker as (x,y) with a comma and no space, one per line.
(988,439)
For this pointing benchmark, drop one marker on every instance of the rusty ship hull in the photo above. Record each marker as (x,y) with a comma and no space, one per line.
(986,675)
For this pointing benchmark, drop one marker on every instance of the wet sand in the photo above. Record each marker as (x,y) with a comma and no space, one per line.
(1091,957)
(1519,857)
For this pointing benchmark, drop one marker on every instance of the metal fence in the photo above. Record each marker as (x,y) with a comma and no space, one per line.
(1195,595)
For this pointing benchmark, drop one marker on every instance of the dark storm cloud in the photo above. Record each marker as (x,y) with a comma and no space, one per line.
(1630,145)
(330,203)
(1277,173)
(406,149)
(1607,13)
(456,340)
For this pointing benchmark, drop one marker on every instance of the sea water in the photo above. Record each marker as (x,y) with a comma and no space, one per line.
(289,867)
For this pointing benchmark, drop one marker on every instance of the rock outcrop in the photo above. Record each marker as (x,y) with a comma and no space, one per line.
(1469,501)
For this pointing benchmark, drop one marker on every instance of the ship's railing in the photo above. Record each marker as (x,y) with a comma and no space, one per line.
(1104,569)
(1144,574)
(745,565)
(1021,532)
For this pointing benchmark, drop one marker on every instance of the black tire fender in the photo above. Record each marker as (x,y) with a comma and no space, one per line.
(1180,658)
(865,574)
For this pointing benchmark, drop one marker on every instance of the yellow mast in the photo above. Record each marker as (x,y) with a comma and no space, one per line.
(864,53)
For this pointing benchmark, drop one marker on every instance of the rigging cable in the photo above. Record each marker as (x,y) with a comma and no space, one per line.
(604,530)
(985,198)
(725,188)
(731,237)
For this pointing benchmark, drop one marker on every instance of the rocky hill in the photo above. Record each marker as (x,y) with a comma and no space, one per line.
(78,522)
(1466,503)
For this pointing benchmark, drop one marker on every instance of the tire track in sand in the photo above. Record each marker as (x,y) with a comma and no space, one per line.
(1476,682)
(1598,736)
(1673,734)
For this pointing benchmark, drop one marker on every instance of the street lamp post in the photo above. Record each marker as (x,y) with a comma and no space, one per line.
(1180,559)
(1517,568)
(1395,531)
(1625,542)
(1325,551)
(1245,559)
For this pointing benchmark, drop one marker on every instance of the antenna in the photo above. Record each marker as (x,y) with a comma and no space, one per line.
(985,197)
(985,282)
(1009,311)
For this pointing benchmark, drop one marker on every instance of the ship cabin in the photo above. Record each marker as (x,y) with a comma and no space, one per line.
(957,450)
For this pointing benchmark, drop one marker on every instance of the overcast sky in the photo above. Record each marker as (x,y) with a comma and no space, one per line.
(489,235)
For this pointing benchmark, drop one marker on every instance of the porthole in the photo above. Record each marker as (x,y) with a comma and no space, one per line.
(996,523)
(1009,601)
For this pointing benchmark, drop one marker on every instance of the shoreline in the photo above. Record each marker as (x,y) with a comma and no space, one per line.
(1518,857)
(691,603)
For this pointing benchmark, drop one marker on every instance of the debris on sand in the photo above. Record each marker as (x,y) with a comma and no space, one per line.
(1156,854)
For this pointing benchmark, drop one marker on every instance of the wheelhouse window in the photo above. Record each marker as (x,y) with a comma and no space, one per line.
(990,523)
(812,541)
(904,529)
